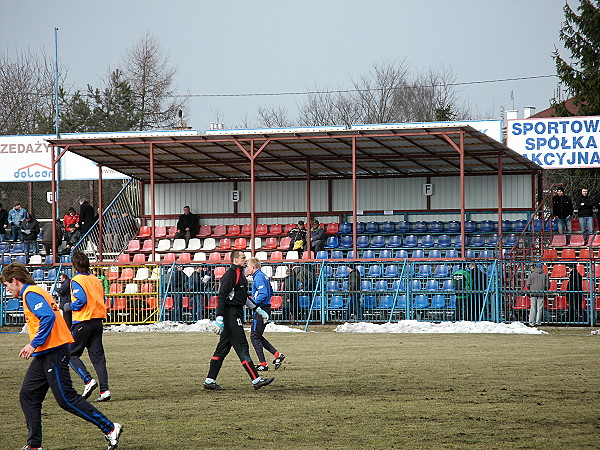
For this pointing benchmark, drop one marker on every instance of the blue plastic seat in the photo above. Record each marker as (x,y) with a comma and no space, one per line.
(317,302)
(374,271)
(419,226)
(506,226)
(386,302)
(304,301)
(492,241)
(6,259)
(385,254)
(344,286)
(38,274)
(519,225)
(418,253)
(4,246)
(332,242)
(332,285)
(415,285)
(18,247)
(346,242)
(361,270)
(452,302)
(342,272)
(470,253)
(476,241)
(447,285)
(403,226)
(345,228)
(360,227)
(435,253)
(424,271)
(366,285)
(427,241)
(337,254)
(452,227)
(52,274)
(322,254)
(362,241)
(486,226)
(66,259)
(395,241)
(388,227)
(398,285)
(381,286)
(336,302)
(510,240)
(441,271)
(444,240)
(328,271)
(421,302)
(452,253)
(487,254)
(438,301)
(372,227)
(369,254)
(432,285)
(13,304)
(49,259)
(350,254)
(378,241)
(436,226)
(369,302)
(21,259)
(457,242)
(470,226)
(391,271)
(402,254)
(411,241)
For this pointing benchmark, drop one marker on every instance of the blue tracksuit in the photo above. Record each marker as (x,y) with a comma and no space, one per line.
(261,296)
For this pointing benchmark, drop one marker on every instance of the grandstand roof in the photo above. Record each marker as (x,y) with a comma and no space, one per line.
(404,150)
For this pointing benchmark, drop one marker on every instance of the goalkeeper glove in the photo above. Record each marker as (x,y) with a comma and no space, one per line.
(218,324)
(262,314)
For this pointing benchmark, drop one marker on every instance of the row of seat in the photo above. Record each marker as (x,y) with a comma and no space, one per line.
(576,240)
(569,253)
(424,241)
(383,302)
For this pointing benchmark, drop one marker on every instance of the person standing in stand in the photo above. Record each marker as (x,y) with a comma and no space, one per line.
(86,216)
(233,296)
(585,211)
(261,296)
(89,310)
(49,369)
(63,289)
(562,208)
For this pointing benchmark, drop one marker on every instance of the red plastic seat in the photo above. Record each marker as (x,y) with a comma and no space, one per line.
(227,257)
(144,232)
(224,244)
(219,272)
(214,256)
(559,271)
(169,303)
(567,253)
(124,258)
(553,286)
(151,303)
(584,253)
(112,273)
(288,228)
(522,302)
(127,274)
(308,255)
(276,256)
(550,253)
(559,303)
(119,304)
(270,243)
(184,257)
(240,244)
(212,303)
(115,288)
(276,229)
(233,230)
(332,228)
(276,302)
(169,257)
(220,230)
(205,231)
(261,230)
(185,303)
(147,247)
(146,288)
(284,244)
(139,258)
(133,246)
(160,232)
(246,230)
(172,231)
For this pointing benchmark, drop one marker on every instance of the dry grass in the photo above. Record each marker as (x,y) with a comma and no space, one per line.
(335,391)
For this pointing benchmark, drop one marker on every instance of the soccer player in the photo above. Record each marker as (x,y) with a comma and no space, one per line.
(261,296)
(233,296)
(49,346)
(89,310)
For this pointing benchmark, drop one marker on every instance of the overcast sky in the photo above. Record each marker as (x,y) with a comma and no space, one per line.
(235,47)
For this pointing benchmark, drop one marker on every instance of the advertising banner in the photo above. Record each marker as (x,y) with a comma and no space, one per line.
(557,142)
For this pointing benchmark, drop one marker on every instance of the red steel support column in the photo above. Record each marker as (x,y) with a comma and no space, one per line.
(500,247)
(54,215)
(100,223)
(354,218)
(252,199)
(152,202)
(462,194)
(308,209)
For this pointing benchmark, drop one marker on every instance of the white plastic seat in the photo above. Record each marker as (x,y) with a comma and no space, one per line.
(267,270)
(188,271)
(163,245)
(274,285)
(155,275)
(194,245)
(280,272)
(292,254)
(262,256)
(142,274)
(209,244)
(200,256)
(248,255)
(178,245)
(131,288)
(257,243)
(35,259)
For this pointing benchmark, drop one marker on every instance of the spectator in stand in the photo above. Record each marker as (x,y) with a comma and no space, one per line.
(562,208)
(290,287)
(47,236)
(298,236)
(15,217)
(317,236)
(86,216)
(3,223)
(187,225)
(70,217)
(575,294)
(112,230)
(179,288)
(74,238)
(478,286)
(30,228)
(200,281)
(585,211)
(63,289)
(354,309)
(129,229)
(537,283)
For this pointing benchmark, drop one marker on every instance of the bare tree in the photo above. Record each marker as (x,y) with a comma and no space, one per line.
(273,117)
(151,78)
(26,92)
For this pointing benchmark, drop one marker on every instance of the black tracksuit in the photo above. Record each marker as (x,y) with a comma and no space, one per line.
(233,296)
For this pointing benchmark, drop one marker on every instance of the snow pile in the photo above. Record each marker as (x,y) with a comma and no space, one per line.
(414,326)
(596,332)
(202,326)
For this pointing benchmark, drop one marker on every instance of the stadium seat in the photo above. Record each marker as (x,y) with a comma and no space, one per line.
(585,253)
(205,231)
(337,254)
(219,272)
(366,285)
(342,272)
(476,241)
(411,241)
(395,241)
(322,254)
(369,254)
(360,227)
(224,244)
(270,243)
(145,232)
(178,245)
(452,253)
(262,256)
(142,274)
(214,257)
(220,230)
(124,258)
(385,254)
(418,253)
(421,301)
(169,257)
(147,246)
(511,240)
(372,227)
(567,253)
(246,230)
(424,271)
(559,271)
(435,227)
(332,242)
(441,271)
(386,302)
(184,257)
(346,242)
(261,230)
(388,227)
(470,253)
(487,254)
(332,228)
(276,229)
(447,285)
(194,245)
(276,255)
(284,244)
(444,240)
(287,228)
(452,227)
(160,231)
(199,257)
(402,254)
(378,241)
(419,227)
(369,302)
(492,241)
(336,302)
(519,225)
(416,286)
(292,254)
(308,254)
(438,301)
(559,304)
(435,253)
(403,227)
(133,246)
(127,274)
(374,271)
(506,226)
(163,245)
(38,275)
(391,271)
(398,286)
(332,286)
(523,302)
(362,241)
(209,244)
(172,231)
(49,259)
(18,247)
(361,270)
(239,244)
(427,241)
(432,285)
(345,228)
(486,226)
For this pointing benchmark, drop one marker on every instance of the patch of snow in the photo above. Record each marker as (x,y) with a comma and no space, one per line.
(414,326)
(202,326)
(596,332)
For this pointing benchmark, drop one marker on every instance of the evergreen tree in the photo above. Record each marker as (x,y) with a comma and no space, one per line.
(581,36)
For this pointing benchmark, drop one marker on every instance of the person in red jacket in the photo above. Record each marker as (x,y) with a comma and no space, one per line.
(70,218)
(49,369)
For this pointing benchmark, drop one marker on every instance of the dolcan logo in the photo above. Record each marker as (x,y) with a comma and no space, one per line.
(33,172)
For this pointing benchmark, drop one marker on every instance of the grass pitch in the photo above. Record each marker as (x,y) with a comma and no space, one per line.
(334,391)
